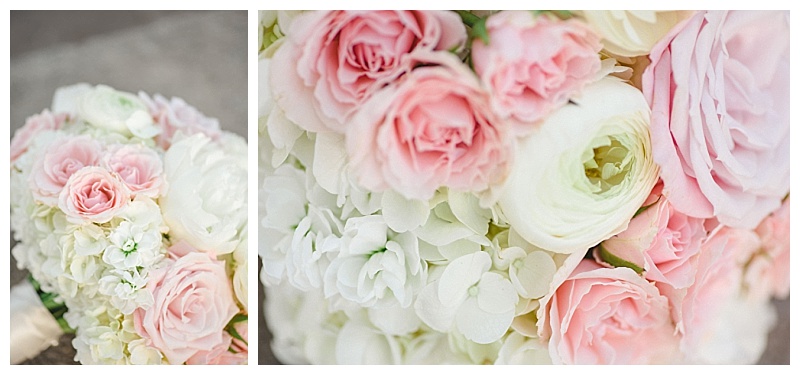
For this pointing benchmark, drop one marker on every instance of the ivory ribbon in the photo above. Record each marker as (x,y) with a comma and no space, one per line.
(33,328)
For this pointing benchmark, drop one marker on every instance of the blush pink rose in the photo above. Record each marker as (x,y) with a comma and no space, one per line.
(334,61)
(93,194)
(768,272)
(719,322)
(434,128)
(231,351)
(33,126)
(176,116)
(718,85)
(661,241)
(139,167)
(60,159)
(533,65)
(608,316)
(193,302)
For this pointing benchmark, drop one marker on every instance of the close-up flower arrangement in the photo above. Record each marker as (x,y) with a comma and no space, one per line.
(523,187)
(130,213)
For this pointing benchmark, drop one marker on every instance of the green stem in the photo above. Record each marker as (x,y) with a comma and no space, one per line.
(468,18)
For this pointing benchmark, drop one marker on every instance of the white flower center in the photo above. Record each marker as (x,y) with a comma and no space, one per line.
(128,247)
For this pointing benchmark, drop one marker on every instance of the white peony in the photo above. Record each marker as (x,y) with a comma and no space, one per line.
(206,200)
(580,178)
(116,111)
(469,299)
(632,32)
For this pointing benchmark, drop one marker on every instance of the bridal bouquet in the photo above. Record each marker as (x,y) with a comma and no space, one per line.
(130,213)
(519,187)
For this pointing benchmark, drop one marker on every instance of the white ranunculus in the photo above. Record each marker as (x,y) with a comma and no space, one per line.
(469,299)
(632,32)
(117,111)
(375,266)
(206,200)
(581,177)
(520,350)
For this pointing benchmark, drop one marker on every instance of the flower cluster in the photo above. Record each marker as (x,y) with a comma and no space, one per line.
(516,187)
(132,210)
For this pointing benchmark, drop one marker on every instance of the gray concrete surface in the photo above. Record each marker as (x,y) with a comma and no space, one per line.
(196,55)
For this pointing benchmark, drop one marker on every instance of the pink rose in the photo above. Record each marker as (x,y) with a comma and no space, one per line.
(533,65)
(231,351)
(720,323)
(434,128)
(661,241)
(93,194)
(768,272)
(193,302)
(175,116)
(60,159)
(608,316)
(334,61)
(33,126)
(718,85)
(139,167)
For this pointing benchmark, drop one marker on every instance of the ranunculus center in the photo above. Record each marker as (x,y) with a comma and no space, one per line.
(608,163)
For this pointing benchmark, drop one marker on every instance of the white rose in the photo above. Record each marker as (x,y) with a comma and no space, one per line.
(206,200)
(116,111)
(376,267)
(632,32)
(469,299)
(582,176)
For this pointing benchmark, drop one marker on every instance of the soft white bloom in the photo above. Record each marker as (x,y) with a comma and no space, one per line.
(213,216)
(455,226)
(282,196)
(116,111)
(469,299)
(142,354)
(67,98)
(314,241)
(632,32)
(520,350)
(90,239)
(581,177)
(240,272)
(394,320)
(132,246)
(126,289)
(374,266)
(98,340)
(361,344)
(472,352)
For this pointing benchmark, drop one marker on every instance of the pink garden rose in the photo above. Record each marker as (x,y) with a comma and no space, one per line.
(721,321)
(231,351)
(193,302)
(608,316)
(61,158)
(661,241)
(434,128)
(718,85)
(139,168)
(93,194)
(533,65)
(33,126)
(175,116)
(334,61)
(768,272)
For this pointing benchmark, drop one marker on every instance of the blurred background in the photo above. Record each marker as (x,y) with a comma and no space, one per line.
(199,56)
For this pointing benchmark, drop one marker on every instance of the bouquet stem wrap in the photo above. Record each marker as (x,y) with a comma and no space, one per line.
(33,327)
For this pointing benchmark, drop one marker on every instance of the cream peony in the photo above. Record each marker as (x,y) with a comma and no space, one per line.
(632,32)
(214,214)
(582,176)
(116,111)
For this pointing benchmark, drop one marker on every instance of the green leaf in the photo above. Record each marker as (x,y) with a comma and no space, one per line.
(479,31)
(467,18)
(617,261)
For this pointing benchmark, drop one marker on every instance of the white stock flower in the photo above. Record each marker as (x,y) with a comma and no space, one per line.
(469,299)
(126,289)
(374,266)
(632,32)
(116,111)
(206,200)
(314,240)
(583,175)
(133,246)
